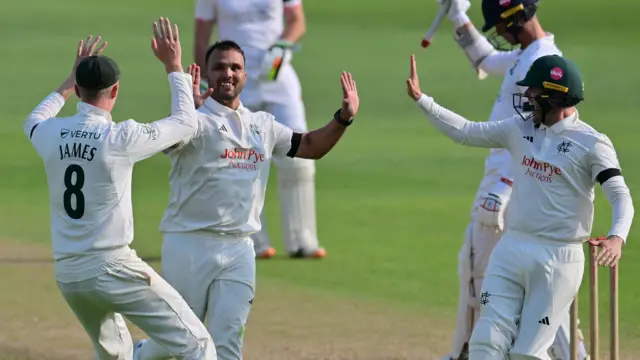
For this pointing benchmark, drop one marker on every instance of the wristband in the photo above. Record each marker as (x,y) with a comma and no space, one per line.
(337,118)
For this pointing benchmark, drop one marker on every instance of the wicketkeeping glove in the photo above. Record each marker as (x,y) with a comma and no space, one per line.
(491,210)
(278,55)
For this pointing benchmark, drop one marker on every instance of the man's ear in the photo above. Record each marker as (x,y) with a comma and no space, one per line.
(114,90)
(77,90)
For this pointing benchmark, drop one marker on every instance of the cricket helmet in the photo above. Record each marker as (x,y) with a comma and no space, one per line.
(496,11)
(560,80)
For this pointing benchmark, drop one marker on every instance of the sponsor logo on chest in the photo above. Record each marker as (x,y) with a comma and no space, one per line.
(540,170)
(246,159)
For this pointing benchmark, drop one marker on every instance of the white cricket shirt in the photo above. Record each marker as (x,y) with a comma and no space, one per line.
(89,161)
(219,176)
(554,168)
(497,164)
(254,24)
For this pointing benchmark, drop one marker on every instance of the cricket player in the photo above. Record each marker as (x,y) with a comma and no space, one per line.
(514,23)
(217,186)
(536,269)
(88,161)
(268,32)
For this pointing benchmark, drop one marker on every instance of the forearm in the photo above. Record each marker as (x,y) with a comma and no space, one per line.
(480,53)
(200,51)
(295,24)
(294,31)
(619,197)
(203,30)
(67,88)
(317,143)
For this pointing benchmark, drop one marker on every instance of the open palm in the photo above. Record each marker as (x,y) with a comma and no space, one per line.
(350,99)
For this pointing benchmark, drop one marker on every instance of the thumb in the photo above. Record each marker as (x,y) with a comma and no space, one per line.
(208,93)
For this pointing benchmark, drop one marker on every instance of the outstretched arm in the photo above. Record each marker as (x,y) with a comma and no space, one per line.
(494,134)
(317,143)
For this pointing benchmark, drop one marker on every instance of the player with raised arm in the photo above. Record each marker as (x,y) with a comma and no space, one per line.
(88,161)
(268,32)
(514,24)
(536,269)
(218,180)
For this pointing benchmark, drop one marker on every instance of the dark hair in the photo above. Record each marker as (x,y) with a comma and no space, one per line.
(222,46)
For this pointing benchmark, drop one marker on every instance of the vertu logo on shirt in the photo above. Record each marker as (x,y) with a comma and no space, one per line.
(540,170)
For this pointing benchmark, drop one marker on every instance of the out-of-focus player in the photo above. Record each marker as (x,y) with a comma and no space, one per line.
(513,22)
(268,32)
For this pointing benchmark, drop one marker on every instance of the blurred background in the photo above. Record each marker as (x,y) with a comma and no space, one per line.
(393,198)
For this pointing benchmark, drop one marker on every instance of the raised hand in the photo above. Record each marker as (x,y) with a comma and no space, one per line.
(350,99)
(166,45)
(87,48)
(198,97)
(413,83)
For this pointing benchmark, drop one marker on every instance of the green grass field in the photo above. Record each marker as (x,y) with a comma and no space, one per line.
(393,197)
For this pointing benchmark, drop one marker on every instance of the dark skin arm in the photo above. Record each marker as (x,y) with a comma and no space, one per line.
(317,143)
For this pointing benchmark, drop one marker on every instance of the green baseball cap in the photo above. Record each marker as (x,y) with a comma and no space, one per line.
(554,72)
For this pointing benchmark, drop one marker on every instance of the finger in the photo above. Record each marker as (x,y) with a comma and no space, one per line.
(413,67)
(208,93)
(343,82)
(594,242)
(87,43)
(176,35)
(196,72)
(156,31)
(93,45)
(167,29)
(154,46)
(350,81)
(101,48)
(80,45)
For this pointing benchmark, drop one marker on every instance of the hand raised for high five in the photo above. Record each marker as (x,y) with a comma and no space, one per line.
(198,97)
(413,83)
(87,48)
(166,45)
(350,99)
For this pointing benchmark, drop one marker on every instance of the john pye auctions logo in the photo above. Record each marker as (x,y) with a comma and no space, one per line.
(242,158)
(540,170)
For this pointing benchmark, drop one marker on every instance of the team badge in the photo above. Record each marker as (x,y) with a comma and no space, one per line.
(556,73)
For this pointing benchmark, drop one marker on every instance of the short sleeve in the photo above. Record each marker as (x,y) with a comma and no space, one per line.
(603,160)
(282,138)
(205,9)
(291,3)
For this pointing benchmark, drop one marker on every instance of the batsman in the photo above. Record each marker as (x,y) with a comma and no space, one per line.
(536,268)
(512,23)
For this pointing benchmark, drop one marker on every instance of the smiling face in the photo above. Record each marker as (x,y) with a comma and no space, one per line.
(226,74)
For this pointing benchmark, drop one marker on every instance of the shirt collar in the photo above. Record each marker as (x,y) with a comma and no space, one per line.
(93,111)
(548,38)
(213,107)
(563,124)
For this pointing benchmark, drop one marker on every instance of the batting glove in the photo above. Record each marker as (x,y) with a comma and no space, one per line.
(456,10)
(278,55)
(492,206)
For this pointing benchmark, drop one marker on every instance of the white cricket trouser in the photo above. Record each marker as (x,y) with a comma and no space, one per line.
(528,288)
(132,289)
(296,177)
(216,277)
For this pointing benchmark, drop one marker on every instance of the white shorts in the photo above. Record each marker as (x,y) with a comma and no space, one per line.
(216,277)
